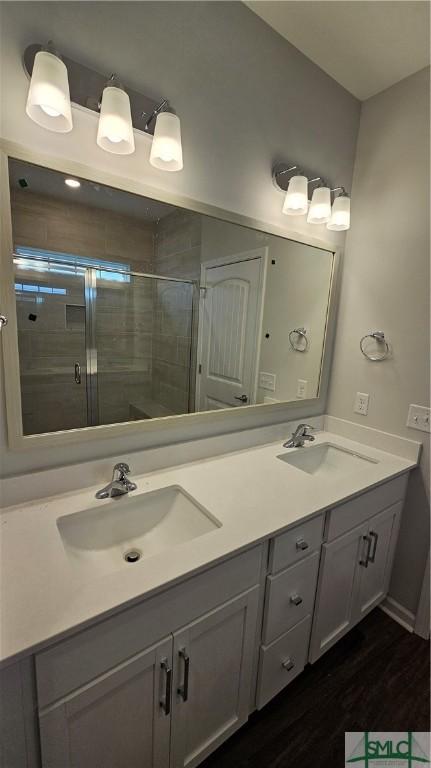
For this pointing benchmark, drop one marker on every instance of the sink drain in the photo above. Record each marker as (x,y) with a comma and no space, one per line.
(132,556)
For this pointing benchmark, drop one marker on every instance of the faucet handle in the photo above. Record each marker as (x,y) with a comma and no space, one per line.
(122,467)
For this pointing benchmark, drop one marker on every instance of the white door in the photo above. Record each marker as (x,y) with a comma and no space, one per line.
(382,533)
(230,325)
(212,678)
(337,591)
(120,719)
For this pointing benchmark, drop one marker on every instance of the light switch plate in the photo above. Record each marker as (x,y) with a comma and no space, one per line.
(301,388)
(419,418)
(361,403)
(267,381)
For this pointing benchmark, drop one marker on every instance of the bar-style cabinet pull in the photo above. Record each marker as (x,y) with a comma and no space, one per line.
(166,701)
(77,373)
(183,689)
(301,544)
(296,600)
(375,537)
(367,556)
(288,664)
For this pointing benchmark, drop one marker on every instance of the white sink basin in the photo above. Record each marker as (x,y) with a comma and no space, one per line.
(326,459)
(102,538)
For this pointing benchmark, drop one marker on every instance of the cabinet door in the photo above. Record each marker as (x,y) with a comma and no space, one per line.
(374,579)
(212,678)
(120,719)
(336,602)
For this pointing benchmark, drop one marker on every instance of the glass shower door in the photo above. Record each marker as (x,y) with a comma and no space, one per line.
(51,315)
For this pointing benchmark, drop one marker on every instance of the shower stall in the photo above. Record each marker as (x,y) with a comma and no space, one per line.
(100,344)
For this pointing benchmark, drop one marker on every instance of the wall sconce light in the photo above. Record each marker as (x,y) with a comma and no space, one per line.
(340,217)
(48,101)
(295,184)
(122,110)
(320,206)
(115,131)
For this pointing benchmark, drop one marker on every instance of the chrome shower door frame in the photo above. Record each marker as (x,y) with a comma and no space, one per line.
(91,346)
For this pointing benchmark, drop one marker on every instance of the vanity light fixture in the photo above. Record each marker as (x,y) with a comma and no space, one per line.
(48,100)
(340,216)
(74,183)
(115,130)
(166,149)
(121,110)
(295,184)
(320,206)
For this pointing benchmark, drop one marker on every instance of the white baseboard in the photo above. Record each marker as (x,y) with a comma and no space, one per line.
(397,612)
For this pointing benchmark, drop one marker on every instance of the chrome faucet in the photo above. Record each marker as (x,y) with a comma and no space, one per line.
(299,436)
(119,485)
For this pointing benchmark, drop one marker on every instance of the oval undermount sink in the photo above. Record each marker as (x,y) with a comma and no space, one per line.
(326,459)
(126,529)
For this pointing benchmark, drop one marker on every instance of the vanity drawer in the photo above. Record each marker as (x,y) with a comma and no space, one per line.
(361,508)
(290,597)
(296,544)
(282,661)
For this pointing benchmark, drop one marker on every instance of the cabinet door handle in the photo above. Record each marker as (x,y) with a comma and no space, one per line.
(183,689)
(296,600)
(77,373)
(288,664)
(375,537)
(241,398)
(166,702)
(367,556)
(301,544)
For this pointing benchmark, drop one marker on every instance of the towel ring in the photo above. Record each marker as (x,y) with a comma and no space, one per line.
(302,333)
(379,336)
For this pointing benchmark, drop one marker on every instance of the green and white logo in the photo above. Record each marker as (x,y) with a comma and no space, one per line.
(392,749)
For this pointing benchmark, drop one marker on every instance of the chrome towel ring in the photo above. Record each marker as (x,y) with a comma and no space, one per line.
(301,337)
(378,336)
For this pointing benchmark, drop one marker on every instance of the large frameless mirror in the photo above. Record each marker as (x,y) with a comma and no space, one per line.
(129,308)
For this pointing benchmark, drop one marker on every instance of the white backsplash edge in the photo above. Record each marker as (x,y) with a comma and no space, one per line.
(383,441)
(52,482)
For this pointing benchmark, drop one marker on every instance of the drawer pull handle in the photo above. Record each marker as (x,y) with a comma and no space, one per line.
(288,665)
(166,702)
(183,689)
(301,544)
(375,536)
(296,600)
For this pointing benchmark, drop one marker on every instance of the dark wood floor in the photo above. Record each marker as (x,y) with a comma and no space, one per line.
(376,679)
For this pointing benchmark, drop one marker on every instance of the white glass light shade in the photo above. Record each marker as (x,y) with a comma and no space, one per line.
(166,150)
(340,218)
(320,206)
(296,200)
(115,130)
(48,101)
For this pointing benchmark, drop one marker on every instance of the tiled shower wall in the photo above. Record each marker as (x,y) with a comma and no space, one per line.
(177,254)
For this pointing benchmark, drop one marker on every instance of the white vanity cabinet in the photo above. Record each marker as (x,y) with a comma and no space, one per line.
(172,702)
(356,563)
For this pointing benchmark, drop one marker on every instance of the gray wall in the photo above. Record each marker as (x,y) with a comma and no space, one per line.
(246,98)
(386,286)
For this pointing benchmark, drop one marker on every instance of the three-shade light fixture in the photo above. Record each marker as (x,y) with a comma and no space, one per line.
(56,82)
(326,206)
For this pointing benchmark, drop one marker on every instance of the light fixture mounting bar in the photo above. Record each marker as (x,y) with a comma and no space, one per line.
(86,88)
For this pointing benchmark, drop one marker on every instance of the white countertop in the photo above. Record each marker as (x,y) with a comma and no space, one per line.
(45,595)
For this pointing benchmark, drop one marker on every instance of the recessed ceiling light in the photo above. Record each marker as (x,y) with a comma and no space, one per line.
(74,183)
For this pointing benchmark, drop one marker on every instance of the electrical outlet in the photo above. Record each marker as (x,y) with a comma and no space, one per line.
(267,381)
(419,418)
(361,403)
(301,388)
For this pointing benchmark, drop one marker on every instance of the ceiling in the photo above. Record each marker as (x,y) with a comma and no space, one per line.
(365,45)
(44,181)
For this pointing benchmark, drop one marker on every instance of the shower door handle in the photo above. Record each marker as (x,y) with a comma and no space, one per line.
(77,373)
